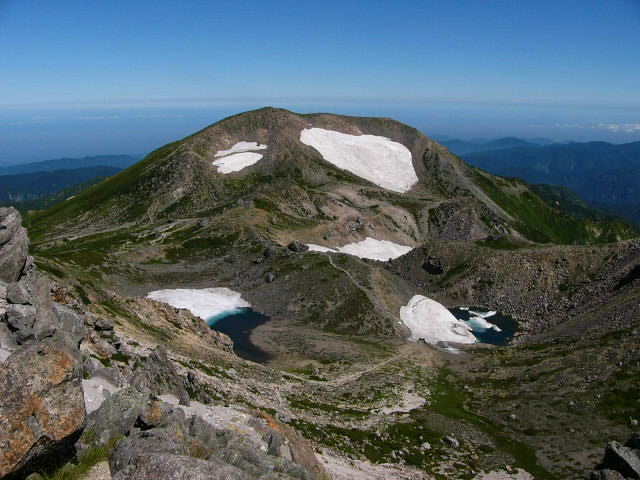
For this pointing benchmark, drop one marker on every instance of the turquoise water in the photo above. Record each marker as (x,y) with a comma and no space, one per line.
(507,325)
(238,324)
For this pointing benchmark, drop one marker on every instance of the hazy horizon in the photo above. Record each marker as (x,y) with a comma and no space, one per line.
(42,133)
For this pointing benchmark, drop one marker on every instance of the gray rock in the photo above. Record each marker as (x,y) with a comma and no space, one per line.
(20,319)
(103,324)
(605,475)
(623,459)
(7,339)
(70,322)
(221,453)
(162,466)
(297,247)
(269,277)
(157,374)
(114,418)
(18,292)
(41,406)
(14,245)
(452,441)
(47,321)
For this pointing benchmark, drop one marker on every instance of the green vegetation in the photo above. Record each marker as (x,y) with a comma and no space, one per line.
(541,223)
(77,471)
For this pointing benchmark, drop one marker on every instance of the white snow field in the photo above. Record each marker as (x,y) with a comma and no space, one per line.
(371,248)
(241,147)
(432,322)
(236,162)
(377,159)
(239,156)
(204,302)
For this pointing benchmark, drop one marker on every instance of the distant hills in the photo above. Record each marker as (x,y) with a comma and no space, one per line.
(40,185)
(604,175)
(463,147)
(30,186)
(118,161)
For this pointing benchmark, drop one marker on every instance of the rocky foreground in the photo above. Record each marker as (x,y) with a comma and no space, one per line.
(60,406)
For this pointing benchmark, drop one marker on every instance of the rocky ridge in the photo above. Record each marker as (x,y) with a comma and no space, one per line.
(59,402)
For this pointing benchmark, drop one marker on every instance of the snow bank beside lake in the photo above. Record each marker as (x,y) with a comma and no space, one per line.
(432,322)
(370,248)
(204,302)
(382,161)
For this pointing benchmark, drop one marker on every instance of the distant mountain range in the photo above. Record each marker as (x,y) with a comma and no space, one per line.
(605,175)
(30,186)
(463,147)
(118,161)
(38,185)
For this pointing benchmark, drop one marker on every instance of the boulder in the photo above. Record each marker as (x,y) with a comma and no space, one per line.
(297,247)
(41,406)
(14,245)
(605,474)
(157,374)
(47,321)
(20,320)
(623,459)
(196,450)
(433,266)
(115,418)
(70,322)
(162,466)
(18,292)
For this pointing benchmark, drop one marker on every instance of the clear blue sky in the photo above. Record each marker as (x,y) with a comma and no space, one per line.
(585,51)
(112,53)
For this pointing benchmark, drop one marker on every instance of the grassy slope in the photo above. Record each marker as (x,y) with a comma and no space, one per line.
(541,223)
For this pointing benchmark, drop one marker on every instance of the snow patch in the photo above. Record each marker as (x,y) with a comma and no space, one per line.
(488,314)
(432,322)
(382,161)
(236,162)
(204,302)
(480,325)
(382,250)
(478,322)
(241,147)
(96,390)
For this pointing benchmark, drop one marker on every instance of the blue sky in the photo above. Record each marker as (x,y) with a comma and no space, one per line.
(574,62)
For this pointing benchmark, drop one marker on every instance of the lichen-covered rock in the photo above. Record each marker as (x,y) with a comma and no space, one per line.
(14,245)
(193,449)
(114,418)
(41,404)
(157,374)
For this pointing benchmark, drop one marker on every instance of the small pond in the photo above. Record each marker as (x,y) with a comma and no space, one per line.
(488,327)
(238,325)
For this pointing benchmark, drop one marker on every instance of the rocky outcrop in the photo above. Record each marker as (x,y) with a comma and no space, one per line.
(620,461)
(41,398)
(41,403)
(14,245)
(152,438)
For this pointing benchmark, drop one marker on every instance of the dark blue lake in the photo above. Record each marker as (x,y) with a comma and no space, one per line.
(238,324)
(482,321)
